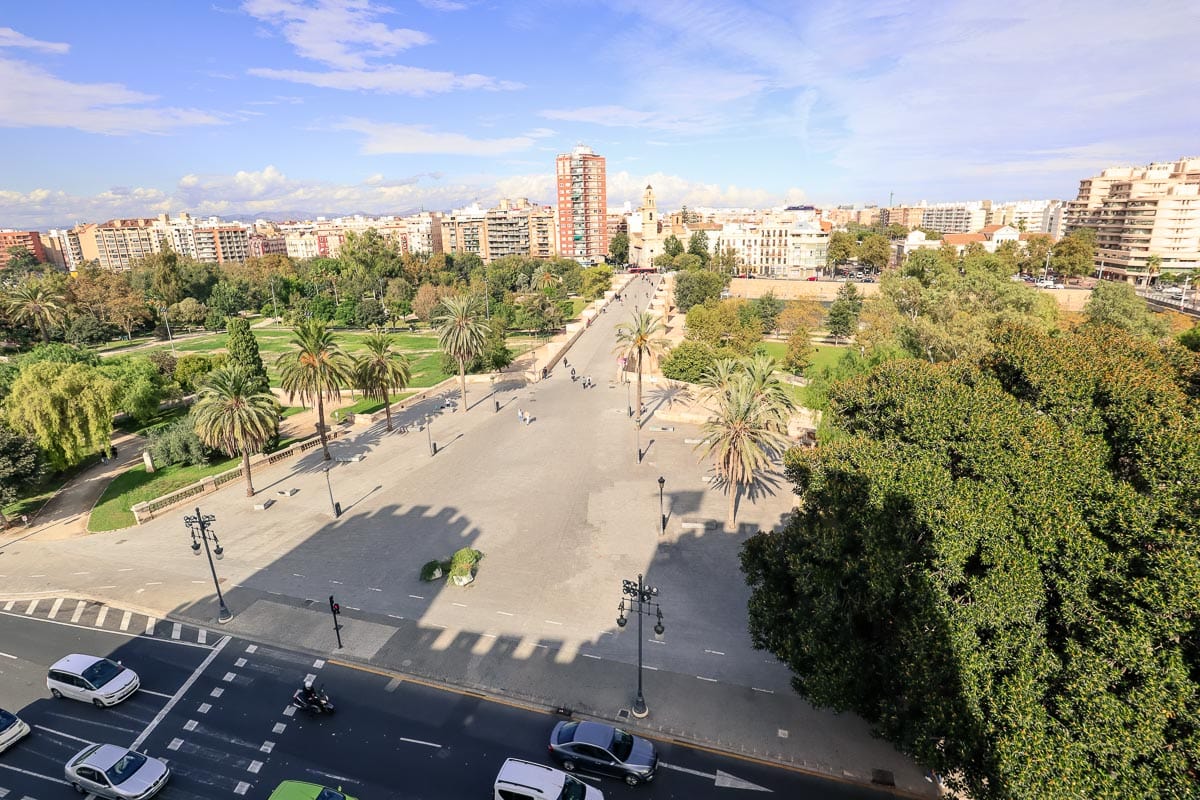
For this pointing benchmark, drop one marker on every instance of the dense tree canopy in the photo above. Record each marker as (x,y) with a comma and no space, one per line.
(998,565)
(695,287)
(20,465)
(1116,305)
(66,408)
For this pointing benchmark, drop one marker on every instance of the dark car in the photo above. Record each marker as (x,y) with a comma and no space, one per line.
(596,747)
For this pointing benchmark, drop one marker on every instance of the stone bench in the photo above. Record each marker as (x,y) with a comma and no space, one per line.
(698,524)
(264,505)
(348,459)
(287,492)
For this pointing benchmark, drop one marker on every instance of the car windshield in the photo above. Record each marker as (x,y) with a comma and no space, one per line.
(101,672)
(573,789)
(567,732)
(7,720)
(622,744)
(330,794)
(125,767)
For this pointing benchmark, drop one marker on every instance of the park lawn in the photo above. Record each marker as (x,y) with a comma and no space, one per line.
(366,405)
(427,371)
(112,512)
(823,355)
(291,411)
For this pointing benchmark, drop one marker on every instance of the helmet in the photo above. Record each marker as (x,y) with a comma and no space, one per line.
(308,684)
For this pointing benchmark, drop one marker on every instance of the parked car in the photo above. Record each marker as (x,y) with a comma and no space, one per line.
(597,747)
(107,770)
(12,728)
(91,679)
(525,780)
(811,278)
(299,790)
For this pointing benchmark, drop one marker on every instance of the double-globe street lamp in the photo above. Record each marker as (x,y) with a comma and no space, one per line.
(641,602)
(662,514)
(198,526)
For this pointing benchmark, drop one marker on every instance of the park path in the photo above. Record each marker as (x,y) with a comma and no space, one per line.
(66,514)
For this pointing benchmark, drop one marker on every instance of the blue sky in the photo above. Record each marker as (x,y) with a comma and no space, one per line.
(261,107)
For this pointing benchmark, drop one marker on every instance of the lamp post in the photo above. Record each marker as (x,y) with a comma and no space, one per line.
(662,515)
(429,433)
(641,601)
(337,510)
(167,322)
(198,527)
(637,438)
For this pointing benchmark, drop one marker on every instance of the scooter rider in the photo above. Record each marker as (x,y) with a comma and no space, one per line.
(308,695)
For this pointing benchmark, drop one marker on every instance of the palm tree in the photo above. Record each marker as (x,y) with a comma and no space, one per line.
(744,434)
(380,370)
(33,304)
(461,334)
(639,338)
(234,415)
(315,370)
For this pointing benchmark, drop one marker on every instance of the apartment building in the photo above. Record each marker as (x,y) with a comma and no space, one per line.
(62,249)
(119,243)
(908,216)
(582,205)
(1139,212)
(513,228)
(1027,216)
(30,240)
(955,217)
(261,244)
(791,245)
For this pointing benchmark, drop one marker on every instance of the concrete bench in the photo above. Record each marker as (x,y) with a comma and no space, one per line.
(348,459)
(692,441)
(664,428)
(698,524)
(287,492)
(264,505)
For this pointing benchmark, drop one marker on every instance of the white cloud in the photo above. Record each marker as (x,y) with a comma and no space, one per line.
(673,191)
(33,98)
(383,137)
(347,36)
(393,79)
(443,5)
(11,38)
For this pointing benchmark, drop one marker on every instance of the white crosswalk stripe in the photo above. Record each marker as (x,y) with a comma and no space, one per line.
(54,608)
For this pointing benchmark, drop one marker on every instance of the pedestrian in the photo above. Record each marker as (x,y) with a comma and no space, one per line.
(520,415)
(25,520)
(528,418)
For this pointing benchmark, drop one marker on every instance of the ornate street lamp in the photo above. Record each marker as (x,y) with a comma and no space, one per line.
(198,527)
(642,603)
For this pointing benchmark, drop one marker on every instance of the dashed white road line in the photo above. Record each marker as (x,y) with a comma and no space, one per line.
(251,648)
(33,774)
(33,604)
(460,605)
(103,615)
(79,607)
(53,732)
(175,744)
(505,613)
(338,583)
(373,589)
(551,622)
(217,692)
(416,597)
(55,607)
(714,652)
(254,767)
(764,691)
(190,725)
(267,747)
(176,630)
(241,662)
(9,605)
(151,622)
(156,694)
(279,728)
(6,655)
(395,616)
(241,788)
(418,741)
(125,618)
(202,636)
(204,708)
(589,655)
(319,663)
(710,680)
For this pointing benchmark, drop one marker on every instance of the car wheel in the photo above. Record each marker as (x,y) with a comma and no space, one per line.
(632,780)
(97,702)
(56,694)
(78,788)
(569,766)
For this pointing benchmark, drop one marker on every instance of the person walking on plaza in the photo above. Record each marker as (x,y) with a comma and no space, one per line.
(520,415)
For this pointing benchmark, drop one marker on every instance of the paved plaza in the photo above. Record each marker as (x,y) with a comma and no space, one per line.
(563,512)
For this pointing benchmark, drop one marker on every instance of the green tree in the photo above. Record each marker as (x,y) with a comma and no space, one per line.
(844,312)
(1074,254)
(688,361)
(618,248)
(698,247)
(64,353)
(462,334)
(315,371)
(190,370)
(1116,305)
(672,247)
(20,467)
(767,308)
(747,428)
(874,251)
(37,305)
(1008,253)
(234,415)
(696,287)
(381,369)
(728,324)
(995,565)
(21,260)
(66,408)
(638,339)
(596,281)
(843,247)
(726,261)
(799,352)
(160,276)
(141,386)
(188,312)
(177,443)
(243,350)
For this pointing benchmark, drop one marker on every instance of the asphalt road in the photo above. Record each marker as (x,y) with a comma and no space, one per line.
(218,712)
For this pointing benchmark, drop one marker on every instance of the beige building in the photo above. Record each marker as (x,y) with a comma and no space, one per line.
(1138,213)
(514,228)
(792,245)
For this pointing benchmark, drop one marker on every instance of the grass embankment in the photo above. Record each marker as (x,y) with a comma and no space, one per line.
(824,355)
(113,510)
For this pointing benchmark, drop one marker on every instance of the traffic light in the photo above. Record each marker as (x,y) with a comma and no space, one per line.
(334,607)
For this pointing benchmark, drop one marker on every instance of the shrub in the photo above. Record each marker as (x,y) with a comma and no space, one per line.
(177,443)
(688,361)
(432,570)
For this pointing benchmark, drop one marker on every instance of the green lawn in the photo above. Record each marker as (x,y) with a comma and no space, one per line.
(823,354)
(291,411)
(366,405)
(137,486)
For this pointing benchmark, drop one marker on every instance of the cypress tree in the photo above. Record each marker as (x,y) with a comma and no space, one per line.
(243,350)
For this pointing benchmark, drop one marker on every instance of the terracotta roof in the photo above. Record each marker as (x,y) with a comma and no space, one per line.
(826,225)
(963,238)
(992,228)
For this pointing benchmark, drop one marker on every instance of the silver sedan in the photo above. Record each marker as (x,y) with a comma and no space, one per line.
(107,770)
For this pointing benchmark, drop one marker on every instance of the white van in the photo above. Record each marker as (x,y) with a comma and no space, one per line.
(524,780)
(91,679)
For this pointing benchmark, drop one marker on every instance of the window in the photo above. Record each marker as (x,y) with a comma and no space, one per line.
(509,794)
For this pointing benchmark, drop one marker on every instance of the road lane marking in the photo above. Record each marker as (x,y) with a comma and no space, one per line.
(267,747)
(710,680)
(9,605)
(461,605)
(154,583)
(309,678)
(203,708)
(254,767)
(125,618)
(392,684)
(176,629)
(289,711)
(373,589)
(589,655)
(251,648)
(33,604)
(647,666)
(217,692)
(241,662)
(339,583)
(175,744)
(6,655)
(764,691)
(81,573)
(319,663)
(279,728)
(53,732)
(229,676)
(395,616)
(190,725)
(151,622)
(655,641)
(297,575)
(125,569)
(202,636)
(714,652)
(170,704)
(418,741)
(156,694)
(241,788)
(505,613)
(79,607)
(54,608)
(33,774)
(112,586)
(551,622)
(416,597)
(103,615)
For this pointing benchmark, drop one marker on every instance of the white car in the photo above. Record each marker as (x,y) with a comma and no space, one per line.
(12,728)
(91,679)
(107,770)
(529,781)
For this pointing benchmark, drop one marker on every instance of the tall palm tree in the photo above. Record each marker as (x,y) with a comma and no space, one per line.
(637,339)
(33,304)
(234,415)
(381,369)
(461,334)
(315,371)
(743,435)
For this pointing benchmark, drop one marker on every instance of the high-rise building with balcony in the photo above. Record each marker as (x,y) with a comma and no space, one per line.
(1138,213)
(30,240)
(582,206)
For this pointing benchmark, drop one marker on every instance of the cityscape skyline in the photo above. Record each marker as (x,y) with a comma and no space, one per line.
(393,108)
